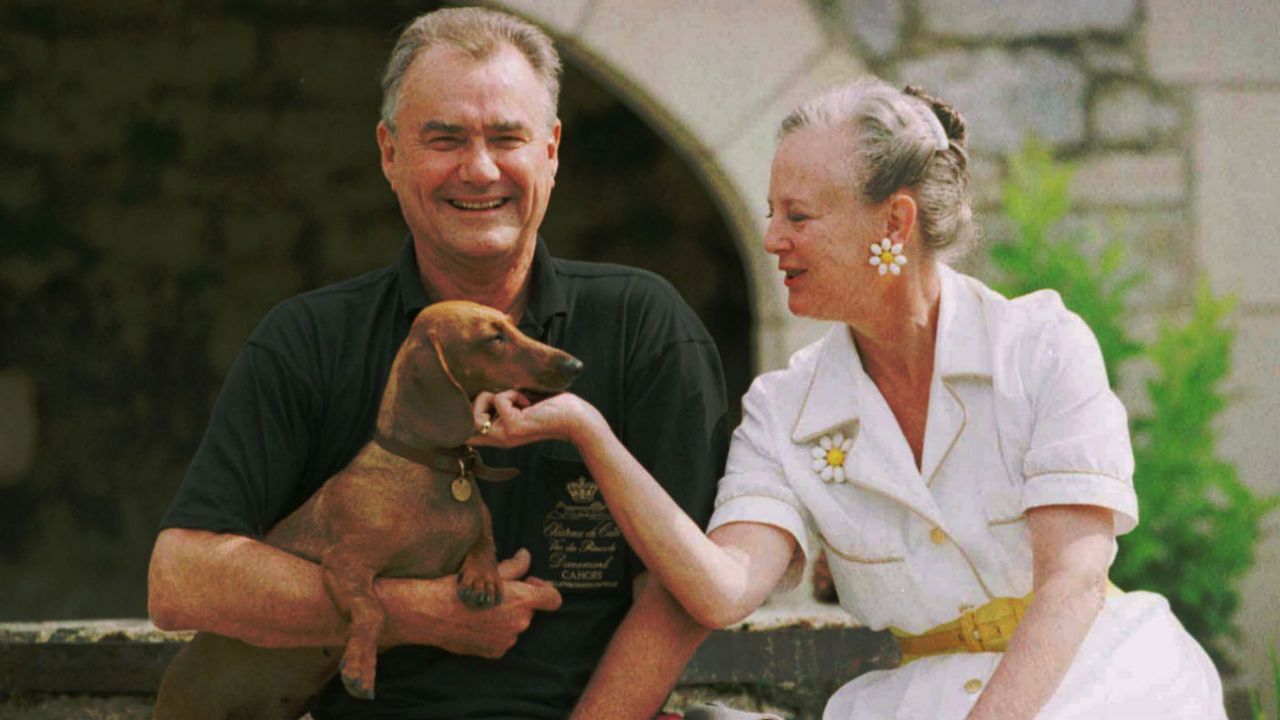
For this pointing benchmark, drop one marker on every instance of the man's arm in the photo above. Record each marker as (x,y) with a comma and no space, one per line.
(644,659)
(240,587)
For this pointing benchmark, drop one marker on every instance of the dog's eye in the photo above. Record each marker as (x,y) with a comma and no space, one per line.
(498,339)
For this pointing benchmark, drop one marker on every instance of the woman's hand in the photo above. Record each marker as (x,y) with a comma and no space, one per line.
(512,419)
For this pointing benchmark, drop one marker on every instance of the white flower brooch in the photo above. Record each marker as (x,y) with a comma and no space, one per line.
(829,456)
(888,256)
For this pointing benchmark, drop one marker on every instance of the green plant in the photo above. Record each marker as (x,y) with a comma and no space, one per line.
(1042,256)
(1199,523)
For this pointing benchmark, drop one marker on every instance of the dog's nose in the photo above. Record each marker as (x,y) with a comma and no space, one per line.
(571,366)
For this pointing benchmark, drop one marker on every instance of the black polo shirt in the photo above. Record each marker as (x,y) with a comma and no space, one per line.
(302,398)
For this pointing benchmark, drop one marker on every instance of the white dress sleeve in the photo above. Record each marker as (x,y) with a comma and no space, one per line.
(754,488)
(1079,451)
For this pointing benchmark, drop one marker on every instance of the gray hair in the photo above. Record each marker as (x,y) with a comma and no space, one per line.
(902,139)
(480,33)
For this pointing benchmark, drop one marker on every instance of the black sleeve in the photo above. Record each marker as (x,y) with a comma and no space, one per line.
(675,418)
(245,475)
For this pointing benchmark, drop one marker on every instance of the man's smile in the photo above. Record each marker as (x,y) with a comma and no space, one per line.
(474,205)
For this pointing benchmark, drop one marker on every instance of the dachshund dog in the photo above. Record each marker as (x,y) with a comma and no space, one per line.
(406,506)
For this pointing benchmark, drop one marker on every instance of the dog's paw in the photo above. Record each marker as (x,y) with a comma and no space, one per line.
(479,591)
(356,686)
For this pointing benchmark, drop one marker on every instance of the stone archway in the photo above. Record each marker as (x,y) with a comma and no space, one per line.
(714,79)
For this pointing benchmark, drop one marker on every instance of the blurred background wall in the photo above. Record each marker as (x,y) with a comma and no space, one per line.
(170,170)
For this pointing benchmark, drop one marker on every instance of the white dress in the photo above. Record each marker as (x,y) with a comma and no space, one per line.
(1020,415)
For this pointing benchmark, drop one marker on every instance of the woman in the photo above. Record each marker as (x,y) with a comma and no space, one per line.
(960,455)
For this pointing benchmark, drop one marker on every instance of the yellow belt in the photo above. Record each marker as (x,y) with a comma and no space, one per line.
(984,629)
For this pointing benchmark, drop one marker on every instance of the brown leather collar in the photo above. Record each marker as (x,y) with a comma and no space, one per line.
(462,460)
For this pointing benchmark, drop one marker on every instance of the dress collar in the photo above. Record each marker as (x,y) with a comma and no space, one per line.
(839,387)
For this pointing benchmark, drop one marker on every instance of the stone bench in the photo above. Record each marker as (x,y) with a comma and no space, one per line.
(788,661)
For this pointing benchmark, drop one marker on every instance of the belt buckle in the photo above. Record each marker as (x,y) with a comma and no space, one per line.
(995,622)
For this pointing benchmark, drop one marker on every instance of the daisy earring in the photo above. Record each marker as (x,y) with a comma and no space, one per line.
(887,256)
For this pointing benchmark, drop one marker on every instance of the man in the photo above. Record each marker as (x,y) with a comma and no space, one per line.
(469,143)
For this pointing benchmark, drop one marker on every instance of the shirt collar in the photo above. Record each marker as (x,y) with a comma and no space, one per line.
(412,294)
(547,295)
(839,384)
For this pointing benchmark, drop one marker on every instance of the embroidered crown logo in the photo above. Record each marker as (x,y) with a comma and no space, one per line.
(582,490)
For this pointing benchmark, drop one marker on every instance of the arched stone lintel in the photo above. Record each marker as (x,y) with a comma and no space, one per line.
(729,151)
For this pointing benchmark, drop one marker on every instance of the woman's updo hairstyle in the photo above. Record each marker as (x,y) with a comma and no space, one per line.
(902,139)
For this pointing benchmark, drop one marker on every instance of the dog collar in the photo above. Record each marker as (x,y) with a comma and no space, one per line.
(462,459)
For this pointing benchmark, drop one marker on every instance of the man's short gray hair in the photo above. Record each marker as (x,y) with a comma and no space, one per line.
(478,32)
(902,139)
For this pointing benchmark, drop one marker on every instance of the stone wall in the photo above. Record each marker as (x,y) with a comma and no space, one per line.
(127,126)
(170,172)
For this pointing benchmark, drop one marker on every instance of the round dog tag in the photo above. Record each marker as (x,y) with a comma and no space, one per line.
(461,489)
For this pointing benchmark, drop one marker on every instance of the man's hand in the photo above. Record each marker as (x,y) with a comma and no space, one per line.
(429,612)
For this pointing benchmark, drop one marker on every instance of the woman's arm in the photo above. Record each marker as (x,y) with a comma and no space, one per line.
(719,579)
(1071,552)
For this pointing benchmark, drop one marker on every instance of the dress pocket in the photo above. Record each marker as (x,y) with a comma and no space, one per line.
(870,573)
(1008,530)
(582,548)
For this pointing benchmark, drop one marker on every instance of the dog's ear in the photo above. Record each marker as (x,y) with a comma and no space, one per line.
(432,408)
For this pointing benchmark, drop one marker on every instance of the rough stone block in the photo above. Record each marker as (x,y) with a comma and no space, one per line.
(1248,439)
(714,66)
(771,345)
(1128,113)
(983,19)
(331,66)
(18,428)
(1208,42)
(1108,58)
(1130,179)
(124,65)
(141,239)
(1006,95)
(747,156)
(1259,615)
(1237,166)
(346,135)
(87,94)
(802,331)
(97,17)
(20,187)
(986,181)
(218,51)
(25,54)
(560,18)
(1248,427)
(1159,243)
(876,24)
